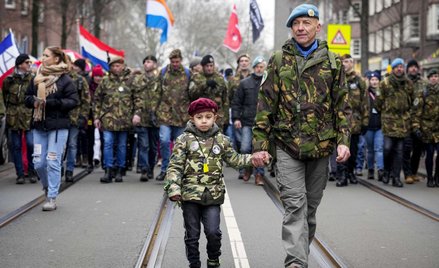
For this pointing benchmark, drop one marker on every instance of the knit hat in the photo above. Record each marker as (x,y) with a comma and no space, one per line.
(176,53)
(397,62)
(432,72)
(257,60)
(149,57)
(20,59)
(97,71)
(202,105)
(228,72)
(116,59)
(303,10)
(411,63)
(374,74)
(207,59)
(194,62)
(80,63)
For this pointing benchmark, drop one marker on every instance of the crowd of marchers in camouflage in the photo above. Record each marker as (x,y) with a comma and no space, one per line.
(395,114)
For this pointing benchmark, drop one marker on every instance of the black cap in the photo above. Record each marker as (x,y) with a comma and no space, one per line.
(228,72)
(432,72)
(150,57)
(207,59)
(20,59)
(80,63)
(411,63)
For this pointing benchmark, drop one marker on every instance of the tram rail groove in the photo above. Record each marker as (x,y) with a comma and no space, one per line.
(13,215)
(153,251)
(318,248)
(402,201)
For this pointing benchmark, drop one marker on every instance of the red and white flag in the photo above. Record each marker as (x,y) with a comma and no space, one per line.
(233,39)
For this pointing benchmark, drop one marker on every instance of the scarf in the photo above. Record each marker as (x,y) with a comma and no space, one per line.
(306,51)
(45,80)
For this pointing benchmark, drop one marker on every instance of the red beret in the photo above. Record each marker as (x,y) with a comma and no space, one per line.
(202,105)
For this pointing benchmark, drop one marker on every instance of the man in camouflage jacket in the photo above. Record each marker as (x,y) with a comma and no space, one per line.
(394,101)
(210,84)
(147,96)
(302,109)
(357,97)
(172,109)
(18,116)
(114,109)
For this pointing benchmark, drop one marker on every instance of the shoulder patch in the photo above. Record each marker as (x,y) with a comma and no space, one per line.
(416,102)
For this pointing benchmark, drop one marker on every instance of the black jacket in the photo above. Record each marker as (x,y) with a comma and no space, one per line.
(245,100)
(58,104)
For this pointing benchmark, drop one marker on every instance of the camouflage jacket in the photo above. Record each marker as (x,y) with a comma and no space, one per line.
(195,169)
(174,98)
(358,100)
(18,116)
(426,113)
(147,97)
(198,88)
(305,113)
(83,109)
(394,101)
(114,99)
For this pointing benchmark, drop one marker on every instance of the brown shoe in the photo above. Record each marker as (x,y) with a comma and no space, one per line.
(416,178)
(409,179)
(259,179)
(246,176)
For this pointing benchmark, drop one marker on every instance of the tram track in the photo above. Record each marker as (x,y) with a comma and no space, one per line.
(13,215)
(318,249)
(402,201)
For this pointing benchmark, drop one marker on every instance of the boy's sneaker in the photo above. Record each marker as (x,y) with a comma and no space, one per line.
(213,263)
(49,205)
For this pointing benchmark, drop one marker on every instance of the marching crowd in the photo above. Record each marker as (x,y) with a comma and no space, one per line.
(305,100)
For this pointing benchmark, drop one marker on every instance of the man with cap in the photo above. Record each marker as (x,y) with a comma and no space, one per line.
(301,117)
(18,116)
(426,124)
(413,147)
(243,106)
(210,84)
(195,65)
(147,96)
(394,99)
(113,113)
(172,108)
(374,134)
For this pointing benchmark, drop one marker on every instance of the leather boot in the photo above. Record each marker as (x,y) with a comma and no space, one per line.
(430,182)
(380,175)
(370,174)
(341,181)
(107,176)
(331,176)
(396,182)
(118,177)
(144,176)
(352,178)
(259,179)
(386,177)
(247,175)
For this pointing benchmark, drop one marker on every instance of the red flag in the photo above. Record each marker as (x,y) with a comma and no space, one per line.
(233,38)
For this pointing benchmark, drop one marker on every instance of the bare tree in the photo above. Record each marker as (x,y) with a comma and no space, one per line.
(35,28)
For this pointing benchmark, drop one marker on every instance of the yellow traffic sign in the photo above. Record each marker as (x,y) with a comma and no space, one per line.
(339,38)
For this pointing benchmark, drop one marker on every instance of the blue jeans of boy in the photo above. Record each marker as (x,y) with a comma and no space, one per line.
(120,139)
(167,134)
(244,136)
(16,150)
(147,138)
(194,214)
(48,151)
(72,148)
(375,145)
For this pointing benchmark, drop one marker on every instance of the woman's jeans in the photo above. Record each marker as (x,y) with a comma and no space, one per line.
(375,145)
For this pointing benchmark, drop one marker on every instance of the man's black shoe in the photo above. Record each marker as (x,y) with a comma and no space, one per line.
(161,176)
(69,176)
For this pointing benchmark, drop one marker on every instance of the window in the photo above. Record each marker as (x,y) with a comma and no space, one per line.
(344,16)
(10,4)
(395,35)
(433,20)
(387,38)
(24,45)
(41,15)
(411,28)
(387,3)
(372,7)
(356,48)
(379,41)
(24,7)
(356,10)
(372,42)
(379,5)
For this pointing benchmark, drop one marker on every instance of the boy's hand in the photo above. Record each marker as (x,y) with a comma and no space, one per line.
(260,159)
(175,198)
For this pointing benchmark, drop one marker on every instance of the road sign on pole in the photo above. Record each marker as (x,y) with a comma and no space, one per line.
(339,38)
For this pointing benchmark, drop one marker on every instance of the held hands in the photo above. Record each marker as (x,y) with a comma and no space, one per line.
(136,120)
(175,198)
(237,124)
(260,159)
(343,153)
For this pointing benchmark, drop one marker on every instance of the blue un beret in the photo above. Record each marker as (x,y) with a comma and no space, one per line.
(257,60)
(304,10)
(397,62)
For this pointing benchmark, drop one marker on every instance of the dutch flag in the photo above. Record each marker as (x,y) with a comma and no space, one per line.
(159,16)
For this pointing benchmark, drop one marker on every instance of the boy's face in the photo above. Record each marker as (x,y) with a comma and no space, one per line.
(204,120)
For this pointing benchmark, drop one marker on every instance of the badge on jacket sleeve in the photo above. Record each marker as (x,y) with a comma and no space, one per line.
(194,146)
(121,89)
(216,149)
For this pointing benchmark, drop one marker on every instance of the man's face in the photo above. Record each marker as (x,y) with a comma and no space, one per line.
(259,68)
(175,63)
(197,68)
(149,65)
(209,68)
(374,82)
(398,70)
(244,63)
(413,70)
(434,79)
(76,68)
(305,29)
(25,66)
(348,65)
(117,68)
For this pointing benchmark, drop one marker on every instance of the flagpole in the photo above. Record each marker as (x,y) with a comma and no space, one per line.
(78,35)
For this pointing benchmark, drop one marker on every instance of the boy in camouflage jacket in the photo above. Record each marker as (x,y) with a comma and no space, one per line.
(195,177)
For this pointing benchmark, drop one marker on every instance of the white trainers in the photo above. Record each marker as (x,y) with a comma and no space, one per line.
(50,205)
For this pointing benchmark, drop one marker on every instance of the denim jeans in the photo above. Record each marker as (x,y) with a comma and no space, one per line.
(147,138)
(375,144)
(244,136)
(430,149)
(230,132)
(111,138)
(167,134)
(193,215)
(393,149)
(48,151)
(16,150)
(361,152)
(72,148)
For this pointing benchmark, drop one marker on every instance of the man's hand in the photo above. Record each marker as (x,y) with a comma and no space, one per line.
(136,120)
(260,159)
(97,123)
(237,124)
(343,153)
(175,198)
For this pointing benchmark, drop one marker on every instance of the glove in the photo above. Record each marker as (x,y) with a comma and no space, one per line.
(53,103)
(211,83)
(418,134)
(153,119)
